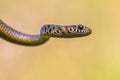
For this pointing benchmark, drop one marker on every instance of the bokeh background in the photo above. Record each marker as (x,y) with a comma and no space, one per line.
(95,57)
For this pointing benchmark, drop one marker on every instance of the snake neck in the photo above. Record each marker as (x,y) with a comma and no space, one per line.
(14,36)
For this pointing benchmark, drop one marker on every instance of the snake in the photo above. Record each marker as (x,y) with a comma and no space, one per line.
(46,32)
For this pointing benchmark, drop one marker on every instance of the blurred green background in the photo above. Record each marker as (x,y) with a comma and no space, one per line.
(95,57)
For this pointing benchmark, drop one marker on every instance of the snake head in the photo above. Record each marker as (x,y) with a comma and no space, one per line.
(68,31)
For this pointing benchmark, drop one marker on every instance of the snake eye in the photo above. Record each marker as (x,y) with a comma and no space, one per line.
(80,27)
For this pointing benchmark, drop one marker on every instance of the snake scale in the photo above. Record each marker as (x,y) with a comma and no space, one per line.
(47,31)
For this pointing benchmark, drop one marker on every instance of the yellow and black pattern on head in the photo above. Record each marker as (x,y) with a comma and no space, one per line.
(68,31)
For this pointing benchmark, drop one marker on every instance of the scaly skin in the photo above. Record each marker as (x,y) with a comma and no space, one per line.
(47,31)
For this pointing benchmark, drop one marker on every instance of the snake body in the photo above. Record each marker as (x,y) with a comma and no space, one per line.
(47,31)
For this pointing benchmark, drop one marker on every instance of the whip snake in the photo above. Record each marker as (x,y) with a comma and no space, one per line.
(46,32)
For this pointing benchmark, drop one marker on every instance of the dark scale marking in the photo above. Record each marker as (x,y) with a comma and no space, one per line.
(63,32)
(67,30)
(48,26)
(47,32)
(50,30)
(58,31)
(53,28)
(59,28)
(77,30)
(70,29)
(55,32)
